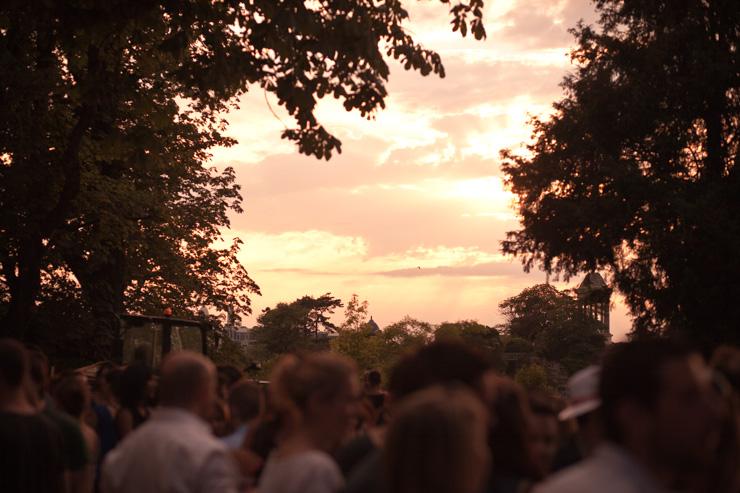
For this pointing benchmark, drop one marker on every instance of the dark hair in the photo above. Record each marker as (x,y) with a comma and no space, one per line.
(508,439)
(13,362)
(435,443)
(631,372)
(132,385)
(244,400)
(262,438)
(373,378)
(103,373)
(406,377)
(543,404)
(228,374)
(70,395)
(142,354)
(440,362)
(113,377)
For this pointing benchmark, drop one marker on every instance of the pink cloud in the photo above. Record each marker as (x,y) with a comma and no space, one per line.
(417,186)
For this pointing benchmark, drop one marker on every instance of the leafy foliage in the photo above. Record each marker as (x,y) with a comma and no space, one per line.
(356,339)
(550,324)
(637,170)
(532,377)
(364,346)
(355,315)
(301,325)
(110,109)
(228,352)
(517,345)
(534,310)
(288,328)
(402,336)
(381,350)
(485,339)
(408,329)
(291,327)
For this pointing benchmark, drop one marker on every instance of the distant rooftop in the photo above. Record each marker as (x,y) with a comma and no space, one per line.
(373,326)
(592,282)
(593,289)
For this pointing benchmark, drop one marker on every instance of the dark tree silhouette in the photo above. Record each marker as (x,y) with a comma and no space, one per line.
(637,171)
(552,325)
(109,110)
(296,326)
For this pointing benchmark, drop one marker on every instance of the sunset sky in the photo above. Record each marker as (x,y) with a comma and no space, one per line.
(410,216)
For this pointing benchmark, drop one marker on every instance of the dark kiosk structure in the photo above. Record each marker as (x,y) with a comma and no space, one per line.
(148,338)
(594,297)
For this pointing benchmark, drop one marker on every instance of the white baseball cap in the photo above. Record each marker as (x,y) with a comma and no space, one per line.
(583,393)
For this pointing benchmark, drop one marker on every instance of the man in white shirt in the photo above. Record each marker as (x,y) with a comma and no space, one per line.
(174,451)
(660,418)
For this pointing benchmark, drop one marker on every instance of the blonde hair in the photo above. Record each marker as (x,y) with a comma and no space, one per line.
(296,378)
(437,443)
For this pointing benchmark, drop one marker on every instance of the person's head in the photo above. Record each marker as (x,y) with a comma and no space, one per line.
(509,437)
(583,407)
(188,381)
(436,443)
(14,368)
(582,392)
(317,393)
(245,401)
(134,385)
(142,354)
(106,380)
(544,430)
(228,375)
(657,402)
(372,380)
(72,395)
(441,362)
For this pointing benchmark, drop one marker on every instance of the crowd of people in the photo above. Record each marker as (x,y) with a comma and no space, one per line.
(654,416)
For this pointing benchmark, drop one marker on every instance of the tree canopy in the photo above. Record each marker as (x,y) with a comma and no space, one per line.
(110,110)
(303,324)
(552,325)
(636,172)
(486,339)
(381,349)
(355,315)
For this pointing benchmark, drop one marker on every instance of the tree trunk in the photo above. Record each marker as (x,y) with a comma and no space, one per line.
(23,273)
(23,276)
(103,282)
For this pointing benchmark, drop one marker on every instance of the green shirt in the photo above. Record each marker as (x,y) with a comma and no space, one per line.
(75,451)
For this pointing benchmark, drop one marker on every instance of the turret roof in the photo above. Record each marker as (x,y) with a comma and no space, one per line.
(591,282)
